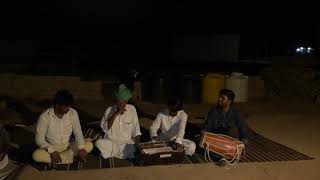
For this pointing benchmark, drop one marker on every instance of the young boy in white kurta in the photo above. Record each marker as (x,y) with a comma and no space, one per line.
(172,123)
(121,126)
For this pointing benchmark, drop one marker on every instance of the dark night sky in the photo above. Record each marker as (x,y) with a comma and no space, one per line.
(140,30)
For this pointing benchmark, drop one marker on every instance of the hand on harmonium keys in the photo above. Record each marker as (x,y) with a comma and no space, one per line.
(177,146)
(155,138)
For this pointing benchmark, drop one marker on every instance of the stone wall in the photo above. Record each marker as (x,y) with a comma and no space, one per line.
(256,89)
(292,78)
(42,87)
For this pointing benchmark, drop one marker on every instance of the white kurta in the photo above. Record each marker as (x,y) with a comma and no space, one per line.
(53,134)
(172,129)
(52,130)
(119,141)
(4,162)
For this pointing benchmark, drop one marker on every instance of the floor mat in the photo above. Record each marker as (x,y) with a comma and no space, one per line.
(260,149)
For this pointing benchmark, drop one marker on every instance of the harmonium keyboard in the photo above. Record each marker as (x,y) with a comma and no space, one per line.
(159,152)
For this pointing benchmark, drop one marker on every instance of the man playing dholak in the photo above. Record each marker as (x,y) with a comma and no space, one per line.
(227,120)
(54,128)
(172,123)
(121,126)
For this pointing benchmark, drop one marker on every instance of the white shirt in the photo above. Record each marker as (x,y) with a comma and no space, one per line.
(4,162)
(52,130)
(125,126)
(173,128)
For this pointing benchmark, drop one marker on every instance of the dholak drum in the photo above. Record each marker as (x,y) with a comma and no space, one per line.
(226,146)
(152,153)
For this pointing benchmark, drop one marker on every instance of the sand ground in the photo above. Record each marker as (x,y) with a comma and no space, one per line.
(294,124)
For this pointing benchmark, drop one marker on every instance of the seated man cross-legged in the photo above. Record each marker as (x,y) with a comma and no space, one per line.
(172,123)
(54,129)
(227,120)
(121,127)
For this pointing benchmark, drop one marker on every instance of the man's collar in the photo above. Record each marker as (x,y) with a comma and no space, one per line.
(51,111)
(168,113)
(221,108)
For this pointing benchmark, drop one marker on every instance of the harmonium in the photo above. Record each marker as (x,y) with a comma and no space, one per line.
(159,152)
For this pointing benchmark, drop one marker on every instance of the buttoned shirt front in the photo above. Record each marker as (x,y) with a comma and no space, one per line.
(125,126)
(52,130)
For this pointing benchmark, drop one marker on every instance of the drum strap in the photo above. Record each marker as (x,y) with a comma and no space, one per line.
(229,163)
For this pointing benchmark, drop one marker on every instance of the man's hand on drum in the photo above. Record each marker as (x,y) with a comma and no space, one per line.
(178,146)
(243,154)
(199,136)
(245,142)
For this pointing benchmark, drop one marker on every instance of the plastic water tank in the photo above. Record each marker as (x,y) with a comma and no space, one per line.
(211,86)
(238,83)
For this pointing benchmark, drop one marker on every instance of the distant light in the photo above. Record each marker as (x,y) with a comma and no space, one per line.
(304,50)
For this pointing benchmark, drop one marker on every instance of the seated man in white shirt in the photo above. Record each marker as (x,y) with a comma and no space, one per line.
(121,126)
(54,128)
(172,123)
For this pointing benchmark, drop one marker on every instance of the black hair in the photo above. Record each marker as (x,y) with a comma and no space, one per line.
(63,97)
(227,92)
(175,104)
